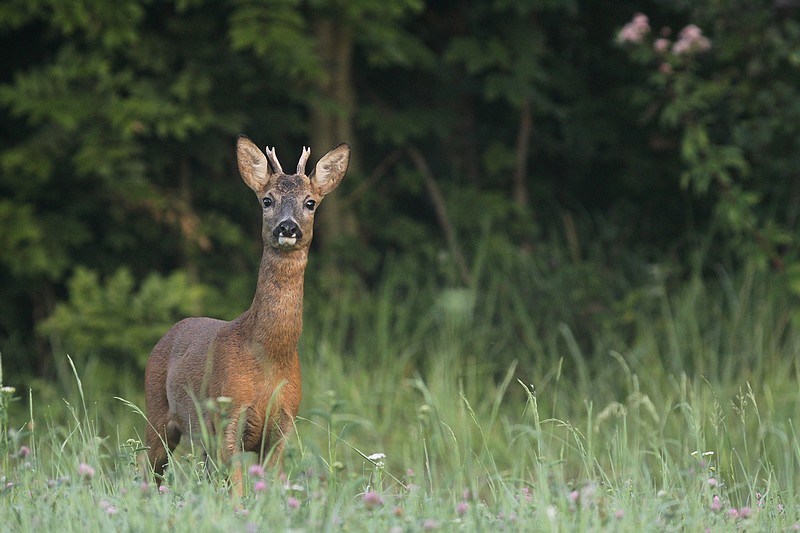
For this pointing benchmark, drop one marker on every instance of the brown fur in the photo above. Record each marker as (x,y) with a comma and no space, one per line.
(252,359)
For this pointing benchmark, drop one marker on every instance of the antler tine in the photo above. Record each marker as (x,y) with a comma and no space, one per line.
(301,165)
(273,160)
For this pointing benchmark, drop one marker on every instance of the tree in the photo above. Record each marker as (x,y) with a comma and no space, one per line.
(505,48)
(467,119)
(116,111)
(313,50)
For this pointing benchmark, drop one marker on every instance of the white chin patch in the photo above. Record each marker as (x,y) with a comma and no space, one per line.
(288,241)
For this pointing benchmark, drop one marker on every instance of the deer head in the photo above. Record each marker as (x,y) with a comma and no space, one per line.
(289,201)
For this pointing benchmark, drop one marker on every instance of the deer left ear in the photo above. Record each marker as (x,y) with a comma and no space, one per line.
(252,163)
(331,169)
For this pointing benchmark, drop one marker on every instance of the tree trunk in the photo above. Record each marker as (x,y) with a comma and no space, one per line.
(331,122)
(521,195)
(465,152)
(49,351)
(187,218)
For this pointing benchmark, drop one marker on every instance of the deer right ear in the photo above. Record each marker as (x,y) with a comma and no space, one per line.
(252,163)
(331,169)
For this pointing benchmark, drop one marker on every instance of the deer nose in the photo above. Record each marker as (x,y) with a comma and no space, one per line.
(287,228)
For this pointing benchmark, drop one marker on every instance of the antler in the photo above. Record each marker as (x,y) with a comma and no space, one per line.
(301,165)
(273,160)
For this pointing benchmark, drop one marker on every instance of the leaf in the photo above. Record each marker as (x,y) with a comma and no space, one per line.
(277,32)
(114,316)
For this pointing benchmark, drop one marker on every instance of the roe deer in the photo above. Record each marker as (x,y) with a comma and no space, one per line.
(252,359)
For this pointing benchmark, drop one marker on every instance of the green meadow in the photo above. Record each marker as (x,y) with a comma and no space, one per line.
(527,401)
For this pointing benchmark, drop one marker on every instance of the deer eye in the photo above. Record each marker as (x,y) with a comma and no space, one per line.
(267,201)
(310,205)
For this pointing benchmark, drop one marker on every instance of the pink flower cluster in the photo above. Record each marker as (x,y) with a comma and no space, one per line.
(733,513)
(372,499)
(744,512)
(634,31)
(716,503)
(85,471)
(110,509)
(257,471)
(691,40)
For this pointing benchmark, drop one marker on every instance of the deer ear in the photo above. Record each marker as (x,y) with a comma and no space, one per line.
(331,169)
(252,163)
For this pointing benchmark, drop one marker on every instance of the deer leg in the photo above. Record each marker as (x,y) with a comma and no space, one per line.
(277,440)
(238,435)
(156,452)
(161,437)
(161,433)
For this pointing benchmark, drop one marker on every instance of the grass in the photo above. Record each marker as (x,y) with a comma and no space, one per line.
(657,404)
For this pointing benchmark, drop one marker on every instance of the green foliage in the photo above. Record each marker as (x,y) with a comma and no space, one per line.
(506,49)
(278,32)
(26,249)
(728,101)
(117,321)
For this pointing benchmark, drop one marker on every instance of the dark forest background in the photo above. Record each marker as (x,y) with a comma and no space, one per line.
(533,147)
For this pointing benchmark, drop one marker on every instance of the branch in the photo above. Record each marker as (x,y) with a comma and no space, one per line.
(441,213)
(373,178)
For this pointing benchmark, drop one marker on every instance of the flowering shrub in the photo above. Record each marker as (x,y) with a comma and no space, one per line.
(691,40)
(636,36)
(636,30)
(705,95)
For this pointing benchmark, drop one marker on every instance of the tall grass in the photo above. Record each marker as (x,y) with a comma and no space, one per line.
(526,401)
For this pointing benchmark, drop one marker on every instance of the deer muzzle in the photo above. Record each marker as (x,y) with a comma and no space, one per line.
(287,233)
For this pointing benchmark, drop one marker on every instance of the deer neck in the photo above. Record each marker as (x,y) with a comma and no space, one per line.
(275,318)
